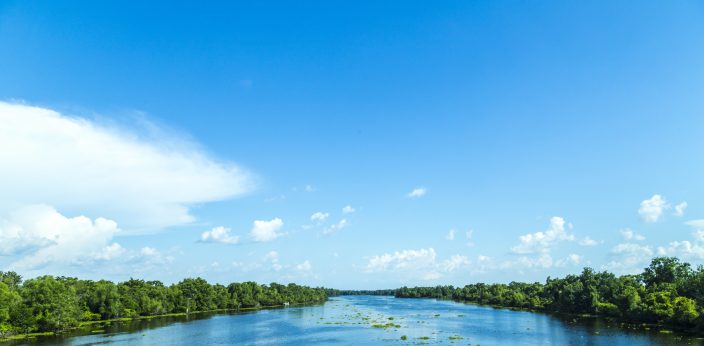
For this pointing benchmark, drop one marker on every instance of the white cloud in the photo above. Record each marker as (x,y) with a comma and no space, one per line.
(82,167)
(416,263)
(319,216)
(587,241)
(263,230)
(272,258)
(542,242)
(304,266)
(336,227)
(348,209)
(402,260)
(469,235)
(450,235)
(679,209)
(629,257)
(696,224)
(455,262)
(651,209)
(110,252)
(417,192)
(571,260)
(41,236)
(219,234)
(628,234)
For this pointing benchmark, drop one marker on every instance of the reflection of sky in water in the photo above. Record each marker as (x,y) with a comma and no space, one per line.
(349,320)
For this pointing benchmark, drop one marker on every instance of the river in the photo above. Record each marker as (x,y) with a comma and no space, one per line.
(370,320)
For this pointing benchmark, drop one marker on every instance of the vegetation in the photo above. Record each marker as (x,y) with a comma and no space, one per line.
(52,304)
(668,292)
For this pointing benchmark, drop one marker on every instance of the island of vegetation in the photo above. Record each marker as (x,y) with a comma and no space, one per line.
(47,304)
(668,293)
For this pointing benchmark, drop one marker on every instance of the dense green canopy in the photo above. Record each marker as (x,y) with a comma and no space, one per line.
(48,303)
(667,292)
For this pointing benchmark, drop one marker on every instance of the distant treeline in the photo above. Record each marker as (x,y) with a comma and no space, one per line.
(50,303)
(334,293)
(668,292)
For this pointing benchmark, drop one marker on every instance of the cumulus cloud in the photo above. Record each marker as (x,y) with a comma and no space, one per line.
(305,266)
(417,192)
(570,260)
(543,241)
(651,209)
(264,231)
(41,235)
(629,234)
(348,209)
(679,209)
(587,241)
(629,258)
(418,263)
(450,235)
(319,216)
(82,167)
(219,234)
(336,227)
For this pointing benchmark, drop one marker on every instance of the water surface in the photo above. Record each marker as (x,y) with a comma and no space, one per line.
(350,320)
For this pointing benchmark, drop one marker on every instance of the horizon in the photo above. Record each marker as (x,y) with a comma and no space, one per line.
(356,146)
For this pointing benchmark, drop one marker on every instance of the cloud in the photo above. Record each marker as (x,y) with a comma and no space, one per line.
(305,266)
(416,263)
(417,192)
(272,258)
(629,257)
(402,260)
(679,209)
(455,262)
(82,167)
(40,235)
(450,235)
(696,224)
(263,230)
(542,242)
(348,209)
(571,260)
(651,209)
(319,216)
(468,235)
(628,234)
(219,235)
(336,227)
(587,241)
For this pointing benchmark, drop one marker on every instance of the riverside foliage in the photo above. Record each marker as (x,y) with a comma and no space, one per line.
(668,292)
(53,304)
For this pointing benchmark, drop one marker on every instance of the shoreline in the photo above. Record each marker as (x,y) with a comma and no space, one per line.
(84,324)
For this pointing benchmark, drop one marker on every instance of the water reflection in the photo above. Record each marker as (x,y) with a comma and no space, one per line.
(370,321)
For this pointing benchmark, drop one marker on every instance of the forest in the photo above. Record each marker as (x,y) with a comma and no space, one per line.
(53,304)
(668,292)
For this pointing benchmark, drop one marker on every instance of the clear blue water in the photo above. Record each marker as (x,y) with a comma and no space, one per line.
(349,320)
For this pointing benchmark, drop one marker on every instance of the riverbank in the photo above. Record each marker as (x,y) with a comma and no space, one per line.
(565,316)
(86,325)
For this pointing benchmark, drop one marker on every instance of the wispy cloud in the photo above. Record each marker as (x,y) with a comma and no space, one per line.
(417,192)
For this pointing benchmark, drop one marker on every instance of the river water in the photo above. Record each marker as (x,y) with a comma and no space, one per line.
(369,320)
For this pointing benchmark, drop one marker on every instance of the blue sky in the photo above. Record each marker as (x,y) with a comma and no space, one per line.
(170,140)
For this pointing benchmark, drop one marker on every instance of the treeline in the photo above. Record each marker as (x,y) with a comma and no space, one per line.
(667,292)
(334,293)
(50,303)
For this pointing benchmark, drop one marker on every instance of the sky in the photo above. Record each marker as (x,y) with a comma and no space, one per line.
(349,144)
